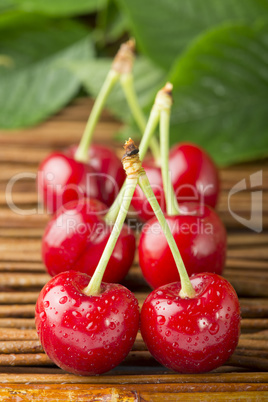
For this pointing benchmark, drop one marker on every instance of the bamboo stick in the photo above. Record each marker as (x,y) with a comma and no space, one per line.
(24,310)
(242,239)
(56,134)
(246,264)
(20,198)
(23,256)
(10,334)
(248,287)
(15,266)
(253,344)
(262,335)
(20,245)
(257,323)
(9,170)
(18,233)
(81,391)
(205,396)
(18,297)
(23,279)
(107,394)
(22,323)
(109,378)
(9,219)
(24,347)
(16,154)
(252,352)
(257,363)
(252,253)
(28,359)
(250,275)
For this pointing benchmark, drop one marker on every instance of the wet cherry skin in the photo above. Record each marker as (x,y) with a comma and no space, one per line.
(76,236)
(200,236)
(82,334)
(193,173)
(62,179)
(192,335)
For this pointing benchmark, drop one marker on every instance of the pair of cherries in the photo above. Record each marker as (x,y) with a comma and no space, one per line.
(88,332)
(91,334)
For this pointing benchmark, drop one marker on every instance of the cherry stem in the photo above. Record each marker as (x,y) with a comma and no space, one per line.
(93,287)
(82,150)
(171,200)
(121,67)
(187,289)
(144,144)
(122,64)
(127,84)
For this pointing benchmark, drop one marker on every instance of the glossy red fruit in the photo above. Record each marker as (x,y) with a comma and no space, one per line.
(192,335)
(75,239)
(193,174)
(82,334)
(62,179)
(200,236)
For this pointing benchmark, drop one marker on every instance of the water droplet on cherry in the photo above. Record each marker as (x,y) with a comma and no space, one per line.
(112,325)
(42,316)
(90,326)
(76,314)
(213,328)
(63,300)
(161,320)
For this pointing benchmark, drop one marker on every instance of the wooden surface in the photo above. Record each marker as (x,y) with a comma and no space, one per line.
(26,373)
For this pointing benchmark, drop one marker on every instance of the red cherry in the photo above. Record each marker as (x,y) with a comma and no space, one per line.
(62,179)
(76,237)
(83,334)
(200,236)
(193,174)
(192,335)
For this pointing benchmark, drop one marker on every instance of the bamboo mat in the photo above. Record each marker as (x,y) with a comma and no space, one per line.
(26,373)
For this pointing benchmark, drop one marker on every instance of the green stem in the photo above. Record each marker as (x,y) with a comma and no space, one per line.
(144,144)
(171,200)
(93,287)
(186,286)
(134,106)
(82,150)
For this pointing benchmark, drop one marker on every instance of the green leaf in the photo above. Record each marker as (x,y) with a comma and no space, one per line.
(6,5)
(221,93)
(60,7)
(147,79)
(111,24)
(38,84)
(164,28)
